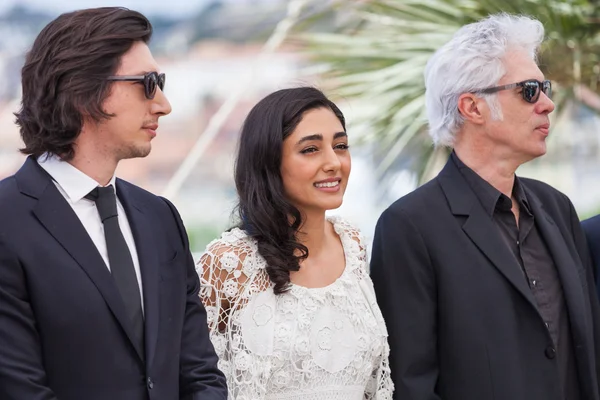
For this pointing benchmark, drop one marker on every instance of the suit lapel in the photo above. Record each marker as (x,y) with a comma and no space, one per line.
(480,228)
(149,263)
(55,214)
(565,264)
(484,233)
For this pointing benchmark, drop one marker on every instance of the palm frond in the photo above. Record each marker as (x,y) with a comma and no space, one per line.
(378,56)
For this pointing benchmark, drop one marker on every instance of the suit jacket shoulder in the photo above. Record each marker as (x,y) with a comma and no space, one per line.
(7,185)
(13,204)
(158,210)
(548,194)
(591,226)
(143,196)
(418,201)
(558,206)
(160,207)
(8,192)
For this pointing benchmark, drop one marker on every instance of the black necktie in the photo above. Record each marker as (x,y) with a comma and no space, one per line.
(119,258)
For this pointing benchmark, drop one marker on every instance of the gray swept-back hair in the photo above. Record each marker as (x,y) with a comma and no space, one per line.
(473,60)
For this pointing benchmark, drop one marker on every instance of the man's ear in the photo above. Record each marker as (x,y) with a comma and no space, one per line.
(472,108)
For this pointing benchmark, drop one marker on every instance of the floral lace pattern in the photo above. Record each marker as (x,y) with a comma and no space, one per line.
(308,343)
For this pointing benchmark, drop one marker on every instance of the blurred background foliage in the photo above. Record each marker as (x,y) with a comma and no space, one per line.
(367,55)
(379,49)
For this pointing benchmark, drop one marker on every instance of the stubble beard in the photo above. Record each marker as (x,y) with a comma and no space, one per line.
(133,151)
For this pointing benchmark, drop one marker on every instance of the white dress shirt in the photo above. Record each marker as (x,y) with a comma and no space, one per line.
(74,185)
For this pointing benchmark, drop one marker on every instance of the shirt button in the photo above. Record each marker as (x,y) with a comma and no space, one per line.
(547,325)
(150,384)
(550,352)
(534,282)
(518,243)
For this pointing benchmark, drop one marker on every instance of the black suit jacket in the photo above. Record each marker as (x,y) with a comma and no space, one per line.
(591,227)
(63,331)
(462,321)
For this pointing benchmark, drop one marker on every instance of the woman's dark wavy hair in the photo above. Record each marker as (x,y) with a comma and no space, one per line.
(264,211)
(64,76)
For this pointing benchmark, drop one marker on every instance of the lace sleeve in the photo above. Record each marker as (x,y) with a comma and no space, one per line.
(380,386)
(228,272)
(221,278)
(221,282)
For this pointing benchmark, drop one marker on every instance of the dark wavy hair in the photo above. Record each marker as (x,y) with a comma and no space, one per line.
(64,76)
(264,211)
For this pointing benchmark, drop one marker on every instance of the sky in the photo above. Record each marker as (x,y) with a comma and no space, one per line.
(165,7)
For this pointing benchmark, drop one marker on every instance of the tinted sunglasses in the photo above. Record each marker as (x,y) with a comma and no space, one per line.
(151,80)
(531,89)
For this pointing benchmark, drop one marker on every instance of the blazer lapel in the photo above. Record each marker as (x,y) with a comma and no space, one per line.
(480,228)
(567,267)
(149,264)
(55,214)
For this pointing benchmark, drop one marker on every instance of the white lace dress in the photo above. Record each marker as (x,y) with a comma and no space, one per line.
(307,344)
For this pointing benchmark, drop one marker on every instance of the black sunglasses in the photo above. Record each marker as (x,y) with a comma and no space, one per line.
(151,80)
(531,89)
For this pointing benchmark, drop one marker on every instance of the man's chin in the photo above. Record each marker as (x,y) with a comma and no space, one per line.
(542,150)
(538,152)
(137,152)
(144,153)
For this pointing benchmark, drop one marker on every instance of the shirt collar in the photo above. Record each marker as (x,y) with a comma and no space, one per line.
(520,195)
(73,182)
(490,197)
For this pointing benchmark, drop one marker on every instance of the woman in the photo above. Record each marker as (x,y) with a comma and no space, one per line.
(290,305)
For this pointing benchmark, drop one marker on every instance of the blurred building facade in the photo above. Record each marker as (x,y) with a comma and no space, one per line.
(206,58)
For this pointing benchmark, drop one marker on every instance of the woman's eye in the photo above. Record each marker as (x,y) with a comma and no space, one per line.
(309,150)
(342,146)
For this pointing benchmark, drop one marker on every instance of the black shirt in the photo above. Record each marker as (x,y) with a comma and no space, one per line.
(536,263)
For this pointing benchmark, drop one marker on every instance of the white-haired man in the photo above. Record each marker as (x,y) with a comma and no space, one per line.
(484,278)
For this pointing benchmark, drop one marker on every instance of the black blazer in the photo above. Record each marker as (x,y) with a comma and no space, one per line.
(591,227)
(463,324)
(63,331)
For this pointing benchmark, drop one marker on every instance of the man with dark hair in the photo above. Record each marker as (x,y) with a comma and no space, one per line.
(98,290)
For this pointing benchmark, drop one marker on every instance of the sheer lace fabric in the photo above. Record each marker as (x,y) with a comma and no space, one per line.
(310,343)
